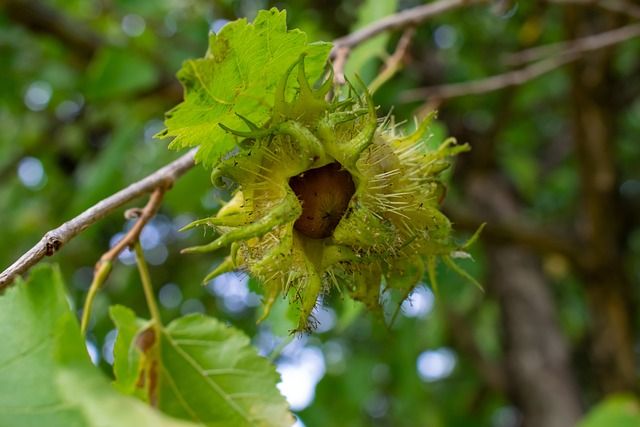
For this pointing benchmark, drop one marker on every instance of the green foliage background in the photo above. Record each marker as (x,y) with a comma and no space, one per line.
(87,110)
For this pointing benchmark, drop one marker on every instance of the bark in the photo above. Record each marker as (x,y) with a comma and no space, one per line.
(600,222)
(539,375)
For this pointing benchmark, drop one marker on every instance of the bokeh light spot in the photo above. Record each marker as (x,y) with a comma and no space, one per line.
(434,365)
(31,172)
(94,354)
(108,345)
(133,25)
(38,95)
(300,377)
(420,302)
(445,37)
(192,306)
(170,295)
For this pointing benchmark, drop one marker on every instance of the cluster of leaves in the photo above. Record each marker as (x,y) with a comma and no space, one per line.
(196,370)
(238,77)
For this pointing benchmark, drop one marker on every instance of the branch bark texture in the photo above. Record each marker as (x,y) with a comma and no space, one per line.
(608,288)
(561,54)
(539,375)
(53,240)
(400,20)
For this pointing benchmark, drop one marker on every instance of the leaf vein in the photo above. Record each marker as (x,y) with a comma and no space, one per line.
(215,387)
(177,393)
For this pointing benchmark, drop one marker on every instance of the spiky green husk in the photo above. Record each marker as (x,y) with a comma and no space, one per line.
(392,229)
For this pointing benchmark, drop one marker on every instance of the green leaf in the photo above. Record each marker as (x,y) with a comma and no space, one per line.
(239,75)
(46,377)
(127,360)
(82,386)
(619,411)
(205,371)
(117,72)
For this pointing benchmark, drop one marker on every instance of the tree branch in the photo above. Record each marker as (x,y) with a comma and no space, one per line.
(164,178)
(572,52)
(536,358)
(489,84)
(406,18)
(400,20)
(143,215)
(607,283)
(577,46)
(393,64)
(105,263)
(536,238)
(54,239)
(460,330)
(618,6)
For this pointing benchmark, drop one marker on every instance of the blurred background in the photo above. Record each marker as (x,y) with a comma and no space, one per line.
(554,171)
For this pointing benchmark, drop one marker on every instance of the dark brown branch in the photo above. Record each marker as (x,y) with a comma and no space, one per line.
(608,286)
(54,239)
(539,376)
(539,239)
(461,333)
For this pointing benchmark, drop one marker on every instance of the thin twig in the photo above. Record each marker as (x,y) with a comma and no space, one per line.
(618,6)
(393,64)
(400,20)
(489,84)
(104,265)
(523,75)
(54,239)
(339,64)
(406,18)
(133,234)
(577,46)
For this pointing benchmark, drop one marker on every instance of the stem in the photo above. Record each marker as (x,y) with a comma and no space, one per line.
(145,278)
(99,278)
(394,63)
(104,265)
